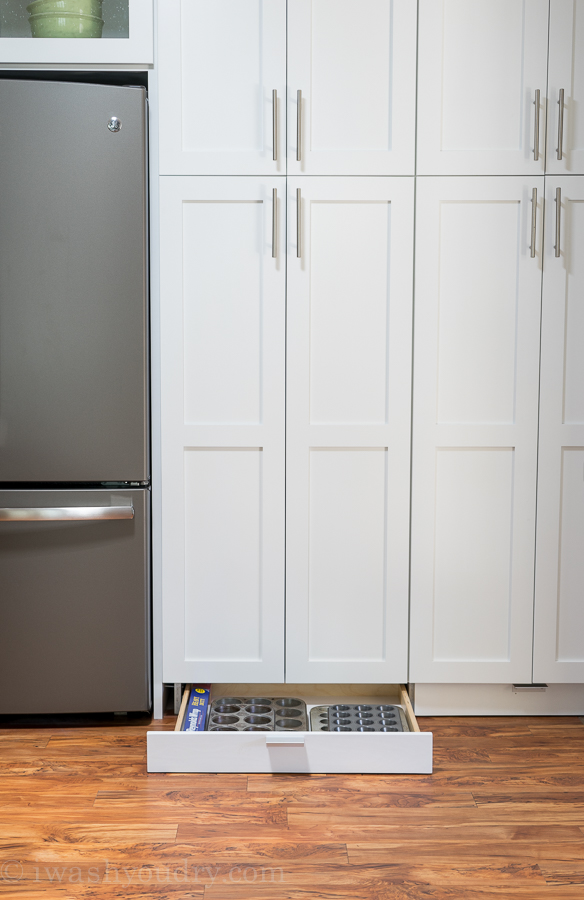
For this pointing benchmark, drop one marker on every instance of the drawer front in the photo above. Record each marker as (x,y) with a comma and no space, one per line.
(306,752)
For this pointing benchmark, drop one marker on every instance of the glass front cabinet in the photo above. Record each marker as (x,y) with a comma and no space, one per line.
(102,32)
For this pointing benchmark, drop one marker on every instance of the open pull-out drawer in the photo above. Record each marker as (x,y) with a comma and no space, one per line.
(408,752)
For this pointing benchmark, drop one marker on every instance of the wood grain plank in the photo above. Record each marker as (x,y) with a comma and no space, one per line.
(539,800)
(202,852)
(467,778)
(488,815)
(421,830)
(570,852)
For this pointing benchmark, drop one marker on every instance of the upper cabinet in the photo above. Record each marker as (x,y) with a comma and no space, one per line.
(482,79)
(86,32)
(351,87)
(348,104)
(565,131)
(222,78)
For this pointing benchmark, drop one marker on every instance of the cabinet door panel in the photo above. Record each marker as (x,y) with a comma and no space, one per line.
(349,358)
(559,570)
(219,63)
(480,63)
(355,63)
(566,72)
(476,367)
(222,327)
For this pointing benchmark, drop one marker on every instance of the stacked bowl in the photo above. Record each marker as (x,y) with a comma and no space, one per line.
(65,18)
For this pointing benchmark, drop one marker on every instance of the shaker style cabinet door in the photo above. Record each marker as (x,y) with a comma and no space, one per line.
(482,78)
(559,567)
(350,243)
(475,410)
(222,84)
(222,339)
(351,87)
(565,131)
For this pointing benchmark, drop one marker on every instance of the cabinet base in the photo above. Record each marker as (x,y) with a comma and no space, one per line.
(497,700)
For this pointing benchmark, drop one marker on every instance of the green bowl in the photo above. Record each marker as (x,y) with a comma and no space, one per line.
(76,7)
(65,25)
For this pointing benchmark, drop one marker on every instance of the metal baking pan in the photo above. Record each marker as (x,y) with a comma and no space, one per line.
(257,714)
(367,718)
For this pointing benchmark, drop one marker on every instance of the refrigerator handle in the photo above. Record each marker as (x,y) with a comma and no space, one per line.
(65,513)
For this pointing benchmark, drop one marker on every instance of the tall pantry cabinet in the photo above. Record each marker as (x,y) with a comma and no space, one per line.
(286,312)
(293,167)
(498,449)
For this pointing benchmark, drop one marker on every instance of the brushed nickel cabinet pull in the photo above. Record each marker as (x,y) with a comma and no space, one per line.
(299,126)
(558,220)
(275,125)
(536,127)
(533,219)
(560,149)
(274,223)
(298,223)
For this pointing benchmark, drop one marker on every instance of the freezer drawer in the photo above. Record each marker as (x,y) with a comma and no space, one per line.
(306,752)
(74,601)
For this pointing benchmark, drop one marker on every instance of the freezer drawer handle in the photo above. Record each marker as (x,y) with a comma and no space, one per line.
(65,513)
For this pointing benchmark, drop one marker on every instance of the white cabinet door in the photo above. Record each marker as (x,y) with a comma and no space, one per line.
(480,65)
(223,348)
(348,428)
(219,64)
(559,581)
(354,62)
(566,88)
(476,373)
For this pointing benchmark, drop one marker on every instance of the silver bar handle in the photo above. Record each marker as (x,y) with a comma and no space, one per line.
(558,221)
(275,125)
(536,127)
(65,513)
(298,223)
(274,223)
(533,220)
(560,149)
(298,126)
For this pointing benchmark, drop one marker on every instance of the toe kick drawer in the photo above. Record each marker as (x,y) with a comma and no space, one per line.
(309,752)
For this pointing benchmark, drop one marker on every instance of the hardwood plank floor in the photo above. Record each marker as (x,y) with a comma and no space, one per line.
(501,817)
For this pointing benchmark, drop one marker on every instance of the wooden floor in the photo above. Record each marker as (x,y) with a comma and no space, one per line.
(502,816)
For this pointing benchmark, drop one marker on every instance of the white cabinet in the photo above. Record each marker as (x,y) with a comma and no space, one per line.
(348,426)
(127,38)
(565,132)
(223,394)
(559,610)
(481,64)
(354,64)
(222,82)
(476,375)
(349,345)
(223,87)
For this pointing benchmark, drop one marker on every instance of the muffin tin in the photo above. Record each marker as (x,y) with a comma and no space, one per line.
(343,717)
(257,714)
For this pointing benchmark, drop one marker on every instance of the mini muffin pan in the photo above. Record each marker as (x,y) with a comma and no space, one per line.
(257,714)
(362,717)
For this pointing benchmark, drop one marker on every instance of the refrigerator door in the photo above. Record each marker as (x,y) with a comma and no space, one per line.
(73,283)
(75,601)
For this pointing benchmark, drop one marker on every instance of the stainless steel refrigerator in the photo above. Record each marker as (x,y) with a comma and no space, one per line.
(74,450)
